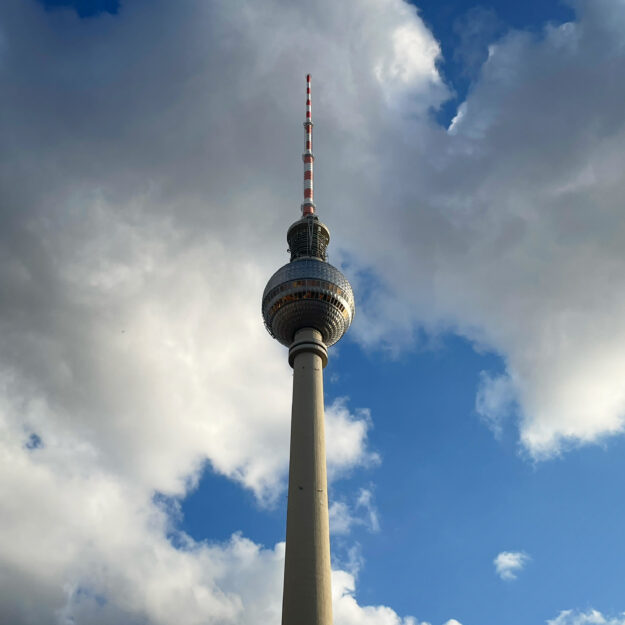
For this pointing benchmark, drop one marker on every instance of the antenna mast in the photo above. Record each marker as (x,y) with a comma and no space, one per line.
(308,206)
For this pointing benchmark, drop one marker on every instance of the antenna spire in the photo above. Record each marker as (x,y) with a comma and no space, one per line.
(308,206)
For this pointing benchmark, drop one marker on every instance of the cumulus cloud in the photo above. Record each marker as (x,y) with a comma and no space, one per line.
(131,282)
(510,231)
(590,617)
(347,611)
(146,194)
(508,564)
(507,233)
(95,546)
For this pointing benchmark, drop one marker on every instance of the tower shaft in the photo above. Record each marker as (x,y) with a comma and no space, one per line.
(307,598)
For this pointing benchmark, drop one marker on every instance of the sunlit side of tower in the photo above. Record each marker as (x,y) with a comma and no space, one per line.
(307,305)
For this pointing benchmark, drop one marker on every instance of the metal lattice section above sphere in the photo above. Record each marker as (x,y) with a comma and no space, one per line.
(308,293)
(308,237)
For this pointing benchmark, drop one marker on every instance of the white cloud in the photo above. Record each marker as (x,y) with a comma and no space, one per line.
(590,617)
(508,230)
(67,520)
(341,518)
(365,502)
(508,564)
(88,544)
(495,399)
(346,438)
(347,611)
(344,516)
(146,194)
(512,235)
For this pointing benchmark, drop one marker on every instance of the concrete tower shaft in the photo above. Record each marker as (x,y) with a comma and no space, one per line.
(308,305)
(307,596)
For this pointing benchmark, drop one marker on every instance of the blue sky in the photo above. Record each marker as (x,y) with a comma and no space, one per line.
(468,164)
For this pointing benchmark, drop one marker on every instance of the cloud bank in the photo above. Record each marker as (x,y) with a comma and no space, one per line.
(143,209)
(508,230)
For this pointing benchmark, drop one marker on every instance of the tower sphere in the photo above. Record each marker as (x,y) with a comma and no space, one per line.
(308,293)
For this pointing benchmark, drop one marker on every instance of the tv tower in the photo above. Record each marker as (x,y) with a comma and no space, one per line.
(307,305)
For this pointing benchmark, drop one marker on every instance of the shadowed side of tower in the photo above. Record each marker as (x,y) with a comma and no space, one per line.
(307,305)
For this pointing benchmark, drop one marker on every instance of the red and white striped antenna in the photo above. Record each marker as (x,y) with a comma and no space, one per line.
(308,206)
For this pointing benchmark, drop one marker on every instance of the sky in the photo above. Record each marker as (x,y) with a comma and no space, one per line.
(469,164)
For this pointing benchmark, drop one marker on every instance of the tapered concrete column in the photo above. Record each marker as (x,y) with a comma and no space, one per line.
(307,598)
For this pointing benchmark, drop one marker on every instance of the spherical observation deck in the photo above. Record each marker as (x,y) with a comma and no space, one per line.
(308,293)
